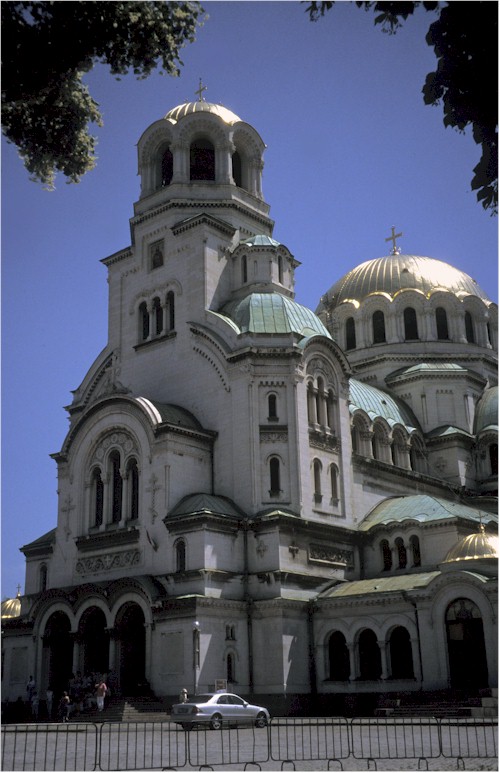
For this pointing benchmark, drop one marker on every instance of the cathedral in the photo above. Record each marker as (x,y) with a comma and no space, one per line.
(291,502)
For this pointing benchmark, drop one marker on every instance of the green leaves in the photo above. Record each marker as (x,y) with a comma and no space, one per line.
(48,46)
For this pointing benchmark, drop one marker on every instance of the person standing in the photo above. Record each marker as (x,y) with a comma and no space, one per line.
(35,705)
(49,699)
(30,689)
(101,694)
(64,707)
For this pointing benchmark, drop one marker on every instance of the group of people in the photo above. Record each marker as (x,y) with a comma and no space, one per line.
(83,693)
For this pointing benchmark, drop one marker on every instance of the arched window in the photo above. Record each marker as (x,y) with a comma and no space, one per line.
(43,578)
(402,557)
(230,633)
(338,656)
(386,555)
(378,323)
(355,439)
(167,167)
(330,421)
(116,487)
(415,550)
(469,328)
(158,316)
(334,483)
(274,476)
(202,160)
(311,405)
(320,407)
(272,407)
(317,480)
(143,322)
(377,439)
(180,556)
(280,269)
(133,489)
(442,324)
(410,323)
(170,311)
(230,667)
(370,662)
(244,269)
(237,177)
(350,333)
(493,454)
(97,497)
(401,658)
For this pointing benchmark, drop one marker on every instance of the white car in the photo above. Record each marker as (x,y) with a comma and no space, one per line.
(217,710)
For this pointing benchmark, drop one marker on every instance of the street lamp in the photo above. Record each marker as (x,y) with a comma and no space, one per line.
(196,654)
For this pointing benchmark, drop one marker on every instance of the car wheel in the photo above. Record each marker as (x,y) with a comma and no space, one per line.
(261,720)
(216,722)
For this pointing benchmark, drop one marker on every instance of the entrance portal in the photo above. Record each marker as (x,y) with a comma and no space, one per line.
(95,642)
(131,636)
(466,649)
(57,653)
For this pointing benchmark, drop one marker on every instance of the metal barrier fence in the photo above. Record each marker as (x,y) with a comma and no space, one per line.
(131,746)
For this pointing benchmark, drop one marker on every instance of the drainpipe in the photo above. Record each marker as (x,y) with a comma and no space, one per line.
(249,605)
(313,681)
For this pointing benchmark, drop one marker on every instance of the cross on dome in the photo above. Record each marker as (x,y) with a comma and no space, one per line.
(200,91)
(392,238)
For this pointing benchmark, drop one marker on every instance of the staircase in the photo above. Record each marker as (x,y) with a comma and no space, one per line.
(489,704)
(131,709)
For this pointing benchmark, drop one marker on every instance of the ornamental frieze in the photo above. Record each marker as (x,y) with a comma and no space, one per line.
(324,441)
(108,561)
(273,435)
(115,440)
(328,554)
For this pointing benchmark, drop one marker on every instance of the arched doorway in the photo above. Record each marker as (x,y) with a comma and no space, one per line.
(338,656)
(131,639)
(466,649)
(370,662)
(57,652)
(94,642)
(401,654)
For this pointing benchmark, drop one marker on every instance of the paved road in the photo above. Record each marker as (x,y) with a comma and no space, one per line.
(289,744)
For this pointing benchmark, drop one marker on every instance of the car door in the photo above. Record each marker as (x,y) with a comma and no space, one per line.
(239,708)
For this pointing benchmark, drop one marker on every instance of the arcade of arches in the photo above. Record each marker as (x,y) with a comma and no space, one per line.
(95,648)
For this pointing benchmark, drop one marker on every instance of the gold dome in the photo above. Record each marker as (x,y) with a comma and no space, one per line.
(474,546)
(11,608)
(202,107)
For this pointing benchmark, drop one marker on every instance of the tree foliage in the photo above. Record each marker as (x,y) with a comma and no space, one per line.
(46,49)
(465,82)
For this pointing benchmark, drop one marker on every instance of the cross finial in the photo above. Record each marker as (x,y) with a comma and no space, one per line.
(200,91)
(392,238)
(18,590)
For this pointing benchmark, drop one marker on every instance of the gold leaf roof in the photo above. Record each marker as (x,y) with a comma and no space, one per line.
(474,546)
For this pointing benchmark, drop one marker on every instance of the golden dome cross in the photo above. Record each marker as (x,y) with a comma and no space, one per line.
(200,91)
(392,238)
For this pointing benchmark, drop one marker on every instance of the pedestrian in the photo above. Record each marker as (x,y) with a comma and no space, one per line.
(64,707)
(183,696)
(35,705)
(30,689)
(49,699)
(101,694)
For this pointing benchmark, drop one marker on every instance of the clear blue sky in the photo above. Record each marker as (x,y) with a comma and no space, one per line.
(351,151)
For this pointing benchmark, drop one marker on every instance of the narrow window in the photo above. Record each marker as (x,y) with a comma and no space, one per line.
(493,454)
(43,578)
(144,321)
(280,269)
(410,323)
(244,269)
(116,478)
(311,405)
(167,166)
(402,557)
(272,407)
(317,481)
(334,482)
(350,333)
(415,550)
(171,310)
(158,316)
(355,439)
(98,497)
(133,489)
(202,160)
(274,476)
(378,323)
(230,667)
(441,324)
(237,169)
(329,411)
(386,555)
(180,556)
(488,333)
(469,328)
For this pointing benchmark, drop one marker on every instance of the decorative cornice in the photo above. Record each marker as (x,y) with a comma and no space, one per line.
(108,562)
(195,205)
(107,539)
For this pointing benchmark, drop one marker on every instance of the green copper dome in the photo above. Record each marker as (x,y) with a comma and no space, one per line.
(273,313)
(487,411)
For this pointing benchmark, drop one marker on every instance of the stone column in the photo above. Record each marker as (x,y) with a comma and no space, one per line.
(353,670)
(382,645)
